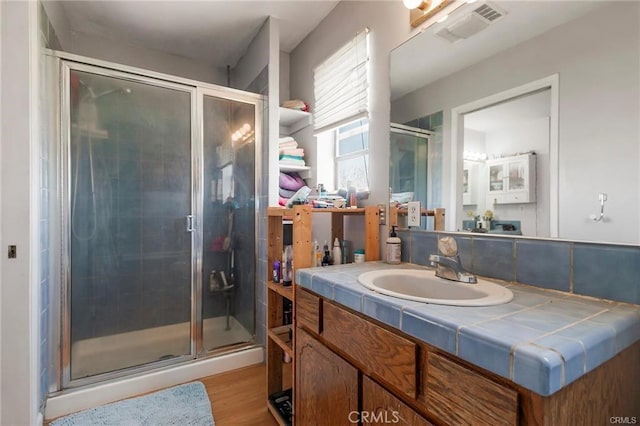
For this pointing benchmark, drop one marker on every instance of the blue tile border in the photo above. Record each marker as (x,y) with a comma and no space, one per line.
(542,264)
(610,272)
(599,270)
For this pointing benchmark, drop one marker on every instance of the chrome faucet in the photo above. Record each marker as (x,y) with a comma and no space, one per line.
(448,264)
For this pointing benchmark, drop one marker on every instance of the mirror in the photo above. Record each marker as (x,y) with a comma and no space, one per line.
(540,110)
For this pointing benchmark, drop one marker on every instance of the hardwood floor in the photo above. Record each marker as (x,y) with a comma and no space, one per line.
(237,397)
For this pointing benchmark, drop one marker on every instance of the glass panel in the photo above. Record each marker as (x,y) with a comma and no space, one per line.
(130,193)
(353,137)
(228,264)
(495,178)
(353,171)
(516,176)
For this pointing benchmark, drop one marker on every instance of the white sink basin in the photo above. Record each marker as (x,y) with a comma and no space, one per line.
(422,285)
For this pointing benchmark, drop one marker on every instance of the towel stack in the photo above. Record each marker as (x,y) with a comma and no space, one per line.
(290,154)
(290,184)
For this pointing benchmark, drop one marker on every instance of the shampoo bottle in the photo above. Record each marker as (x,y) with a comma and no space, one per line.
(393,247)
(337,252)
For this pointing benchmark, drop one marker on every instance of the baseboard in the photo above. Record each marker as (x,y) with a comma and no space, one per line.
(82,399)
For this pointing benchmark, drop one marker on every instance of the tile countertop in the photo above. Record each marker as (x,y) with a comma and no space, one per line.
(542,340)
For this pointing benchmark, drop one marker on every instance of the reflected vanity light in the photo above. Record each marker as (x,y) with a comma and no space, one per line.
(243,134)
(474,156)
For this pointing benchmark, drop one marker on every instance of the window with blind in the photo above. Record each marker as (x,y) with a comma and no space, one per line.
(341,85)
(340,118)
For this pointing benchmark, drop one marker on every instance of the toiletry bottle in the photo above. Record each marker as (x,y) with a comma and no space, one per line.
(393,247)
(326,259)
(352,196)
(276,271)
(337,252)
(318,258)
(287,273)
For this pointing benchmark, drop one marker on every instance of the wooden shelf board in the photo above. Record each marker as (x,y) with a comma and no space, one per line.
(280,336)
(286,292)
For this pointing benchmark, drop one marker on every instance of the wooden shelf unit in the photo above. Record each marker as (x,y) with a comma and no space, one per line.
(280,374)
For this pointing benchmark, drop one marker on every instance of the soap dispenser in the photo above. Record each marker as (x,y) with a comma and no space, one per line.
(394,247)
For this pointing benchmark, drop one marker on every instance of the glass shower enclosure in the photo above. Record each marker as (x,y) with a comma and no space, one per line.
(159,183)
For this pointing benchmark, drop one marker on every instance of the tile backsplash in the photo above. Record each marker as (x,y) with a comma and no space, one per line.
(605,271)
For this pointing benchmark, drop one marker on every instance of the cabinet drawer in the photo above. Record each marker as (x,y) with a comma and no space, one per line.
(457,395)
(308,310)
(376,351)
(381,407)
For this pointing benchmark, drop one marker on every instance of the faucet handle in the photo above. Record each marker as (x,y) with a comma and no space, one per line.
(448,246)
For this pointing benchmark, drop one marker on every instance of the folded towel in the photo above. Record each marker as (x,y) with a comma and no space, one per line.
(286,193)
(290,181)
(286,139)
(288,145)
(296,104)
(291,157)
(292,151)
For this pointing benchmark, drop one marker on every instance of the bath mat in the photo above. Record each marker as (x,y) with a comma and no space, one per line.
(182,405)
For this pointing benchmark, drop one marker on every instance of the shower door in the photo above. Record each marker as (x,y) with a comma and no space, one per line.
(230,130)
(130,222)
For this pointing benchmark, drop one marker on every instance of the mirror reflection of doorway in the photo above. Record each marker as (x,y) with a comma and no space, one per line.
(510,128)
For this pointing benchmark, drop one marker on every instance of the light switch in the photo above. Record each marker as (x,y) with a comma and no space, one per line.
(413,214)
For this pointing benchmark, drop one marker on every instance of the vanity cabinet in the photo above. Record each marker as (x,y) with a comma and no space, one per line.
(511,180)
(341,354)
(326,385)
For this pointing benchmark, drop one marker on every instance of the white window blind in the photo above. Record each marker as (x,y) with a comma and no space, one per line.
(341,85)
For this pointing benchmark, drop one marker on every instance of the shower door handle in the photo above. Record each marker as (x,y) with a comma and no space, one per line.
(190,227)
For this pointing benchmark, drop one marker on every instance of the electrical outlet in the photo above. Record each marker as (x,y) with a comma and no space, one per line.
(413,213)
(13,252)
(382,214)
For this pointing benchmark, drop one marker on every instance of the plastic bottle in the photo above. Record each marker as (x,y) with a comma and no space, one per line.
(352,196)
(394,247)
(318,258)
(337,252)
(276,271)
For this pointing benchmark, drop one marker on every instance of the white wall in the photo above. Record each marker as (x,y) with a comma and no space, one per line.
(598,134)
(254,59)
(389,25)
(19,180)
(127,54)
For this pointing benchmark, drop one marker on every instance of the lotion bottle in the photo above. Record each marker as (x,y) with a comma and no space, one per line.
(393,247)
(337,252)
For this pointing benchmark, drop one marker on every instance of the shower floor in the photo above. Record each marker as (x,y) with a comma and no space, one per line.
(109,353)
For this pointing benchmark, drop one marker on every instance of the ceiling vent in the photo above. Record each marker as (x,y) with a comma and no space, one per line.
(471,23)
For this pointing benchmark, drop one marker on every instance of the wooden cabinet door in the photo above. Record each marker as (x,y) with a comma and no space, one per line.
(380,407)
(326,390)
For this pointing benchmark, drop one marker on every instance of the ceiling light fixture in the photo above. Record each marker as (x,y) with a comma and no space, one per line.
(420,11)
